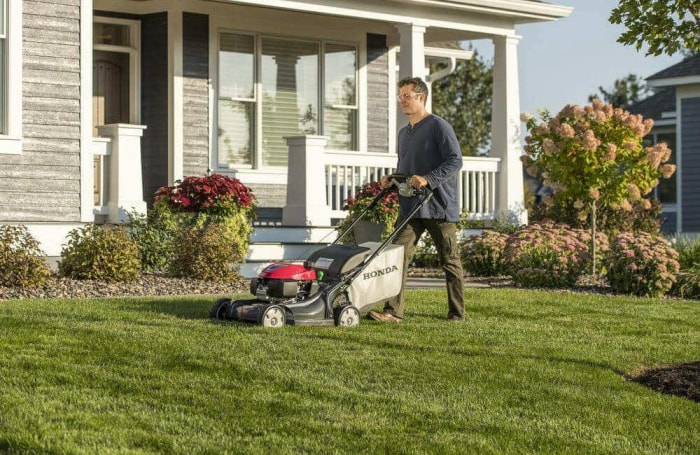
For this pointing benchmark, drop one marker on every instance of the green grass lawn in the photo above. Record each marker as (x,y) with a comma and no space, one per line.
(528,372)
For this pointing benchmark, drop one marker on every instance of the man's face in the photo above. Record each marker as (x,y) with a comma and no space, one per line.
(411,102)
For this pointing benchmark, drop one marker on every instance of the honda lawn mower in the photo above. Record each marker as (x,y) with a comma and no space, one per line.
(336,285)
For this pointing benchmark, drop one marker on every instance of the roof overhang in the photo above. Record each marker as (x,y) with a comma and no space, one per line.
(521,11)
(674,81)
(482,16)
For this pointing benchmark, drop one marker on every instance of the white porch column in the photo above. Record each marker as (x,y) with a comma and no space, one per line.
(125,180)
(306,183)
(411,61)
(412,58)
(505,127)
(175,95)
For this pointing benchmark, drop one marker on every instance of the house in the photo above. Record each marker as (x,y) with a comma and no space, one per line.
(675,109)
(105,101)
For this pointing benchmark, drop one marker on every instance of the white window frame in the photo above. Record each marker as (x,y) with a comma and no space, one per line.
(11,141)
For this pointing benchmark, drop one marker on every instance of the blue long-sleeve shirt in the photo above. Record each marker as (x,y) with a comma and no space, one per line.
(430,148)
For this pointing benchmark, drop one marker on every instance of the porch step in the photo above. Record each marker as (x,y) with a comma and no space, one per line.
(270,244)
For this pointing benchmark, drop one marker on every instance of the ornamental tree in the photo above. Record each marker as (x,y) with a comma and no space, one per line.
(665,26)
(593,156)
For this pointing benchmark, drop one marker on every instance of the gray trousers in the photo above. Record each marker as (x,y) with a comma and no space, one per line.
(444,234)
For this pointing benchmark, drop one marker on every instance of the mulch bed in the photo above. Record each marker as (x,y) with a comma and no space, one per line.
(679,380)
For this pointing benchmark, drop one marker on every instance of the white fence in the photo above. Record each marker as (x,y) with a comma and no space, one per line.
(346,173)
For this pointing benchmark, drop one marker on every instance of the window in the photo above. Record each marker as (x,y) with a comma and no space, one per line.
(236,105)
(10,76)
(292,87)
(340,115)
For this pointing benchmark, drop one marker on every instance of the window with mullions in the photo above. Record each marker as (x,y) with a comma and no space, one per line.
(236,99)
(303,87)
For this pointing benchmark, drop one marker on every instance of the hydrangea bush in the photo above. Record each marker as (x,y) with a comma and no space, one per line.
(641,264)
(481,254)
(594,153)
(592,157)
(545,255)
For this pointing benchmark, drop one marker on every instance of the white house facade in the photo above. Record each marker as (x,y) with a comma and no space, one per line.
(104,101)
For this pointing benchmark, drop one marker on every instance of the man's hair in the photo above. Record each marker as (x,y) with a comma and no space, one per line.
(418,85)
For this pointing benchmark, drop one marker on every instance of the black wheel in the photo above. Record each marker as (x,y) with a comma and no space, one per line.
(273,317)
(218,309)
(347,316)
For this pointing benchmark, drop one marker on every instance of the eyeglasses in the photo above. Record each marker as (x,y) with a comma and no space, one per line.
(407,96)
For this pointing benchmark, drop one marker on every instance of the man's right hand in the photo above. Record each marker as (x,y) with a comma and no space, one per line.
(384,182)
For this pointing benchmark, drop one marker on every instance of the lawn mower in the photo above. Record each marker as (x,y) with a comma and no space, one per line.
(335,286)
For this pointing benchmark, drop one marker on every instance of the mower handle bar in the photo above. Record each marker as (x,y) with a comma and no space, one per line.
(423,194)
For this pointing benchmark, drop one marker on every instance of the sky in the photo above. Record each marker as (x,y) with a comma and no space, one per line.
(565,61)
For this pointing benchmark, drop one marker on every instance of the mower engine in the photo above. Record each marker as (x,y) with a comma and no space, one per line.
(284,282)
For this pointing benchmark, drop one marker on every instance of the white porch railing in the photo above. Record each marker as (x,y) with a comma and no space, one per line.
(118,182)
(346,172)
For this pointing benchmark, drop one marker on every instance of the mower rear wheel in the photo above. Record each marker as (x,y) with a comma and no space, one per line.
(218,309)
(347,316)
(273,317)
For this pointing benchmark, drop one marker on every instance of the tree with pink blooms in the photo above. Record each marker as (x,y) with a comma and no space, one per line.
(591,157)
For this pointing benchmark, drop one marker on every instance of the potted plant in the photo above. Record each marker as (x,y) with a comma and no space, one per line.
(378,223)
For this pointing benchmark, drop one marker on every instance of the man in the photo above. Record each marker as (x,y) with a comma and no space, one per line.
(429,152)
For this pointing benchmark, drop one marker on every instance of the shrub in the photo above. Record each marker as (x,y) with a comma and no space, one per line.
(641,264)
(481,254)
(154,233)
(21,257)
(687,285)
(103,253)
(206,252)
(188,209)
(688,251)
(545,255)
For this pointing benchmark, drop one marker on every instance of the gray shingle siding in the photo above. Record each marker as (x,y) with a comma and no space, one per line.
(195,49)
(690,148)
(43,183)
(377,94)
(154,102)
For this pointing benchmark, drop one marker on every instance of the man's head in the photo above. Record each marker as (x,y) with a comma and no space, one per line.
(413,94)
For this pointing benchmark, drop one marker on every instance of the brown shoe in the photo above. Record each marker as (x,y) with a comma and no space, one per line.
(384,317)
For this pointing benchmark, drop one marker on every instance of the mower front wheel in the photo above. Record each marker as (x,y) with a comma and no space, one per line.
(273,317)
(347,316)
(218,309)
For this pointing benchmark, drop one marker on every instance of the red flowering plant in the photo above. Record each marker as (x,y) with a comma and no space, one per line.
(385,212)
(216,195)
(185,213)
